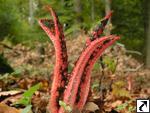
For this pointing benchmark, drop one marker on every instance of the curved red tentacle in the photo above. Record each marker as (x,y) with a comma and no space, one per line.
(55,32)
(85,84)
(55,19)
(70,93)
(82,69)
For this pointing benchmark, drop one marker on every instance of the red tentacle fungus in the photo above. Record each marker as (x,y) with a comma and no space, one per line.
(70,93)
(55,32)
(85,84)
(73,90)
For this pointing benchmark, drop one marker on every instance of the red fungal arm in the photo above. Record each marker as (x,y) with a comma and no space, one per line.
(70,93)
(79,82)
(55,32)
(98,29)
(85,83)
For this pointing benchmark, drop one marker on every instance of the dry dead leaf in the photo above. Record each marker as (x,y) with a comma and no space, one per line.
(116,103)
(12,99)
(10,93)
(91,106)
(6,109)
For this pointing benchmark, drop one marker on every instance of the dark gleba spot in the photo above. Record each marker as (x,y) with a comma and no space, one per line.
(49,24)
(60,89)
(106,41)
(92,56)
(104,22)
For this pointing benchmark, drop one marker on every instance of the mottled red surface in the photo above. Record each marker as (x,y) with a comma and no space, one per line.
(67,88)
(55,32)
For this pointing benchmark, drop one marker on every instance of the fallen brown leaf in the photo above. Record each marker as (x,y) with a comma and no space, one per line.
(116,103)
(6,109)
(91,106)
(10,93)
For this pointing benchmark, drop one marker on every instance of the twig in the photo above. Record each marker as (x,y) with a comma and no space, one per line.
(133,70)
(129,51)
(8,47)
(134,52)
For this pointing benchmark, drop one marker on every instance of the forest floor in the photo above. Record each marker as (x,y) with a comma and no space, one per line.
(118,79)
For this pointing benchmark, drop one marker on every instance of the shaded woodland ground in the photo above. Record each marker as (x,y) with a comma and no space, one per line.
(118,79)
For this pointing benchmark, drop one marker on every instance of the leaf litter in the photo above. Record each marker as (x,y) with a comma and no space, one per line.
(118,79)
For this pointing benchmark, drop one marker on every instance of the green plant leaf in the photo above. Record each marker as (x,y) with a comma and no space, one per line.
(131,108)
(110,63)
(95,85)
(96,66)
(17,71)
(26,97)
(127,105)
(119,90)
(65,106)
(122,106)
(27,109)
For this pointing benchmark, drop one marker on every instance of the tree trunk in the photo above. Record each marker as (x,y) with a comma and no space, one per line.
(147,30)
(92,10)
(78,10)
(31,13)
(62,3)
(107,10)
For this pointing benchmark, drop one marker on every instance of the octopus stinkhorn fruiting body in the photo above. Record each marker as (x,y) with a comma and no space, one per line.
(73,90)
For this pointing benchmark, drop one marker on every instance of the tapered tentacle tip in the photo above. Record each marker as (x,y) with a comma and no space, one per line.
(48,7)
(113,37)
(109,14)
(54,16)
(116,37)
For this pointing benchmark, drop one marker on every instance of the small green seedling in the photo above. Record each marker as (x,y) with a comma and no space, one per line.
(65,106)
(26,97)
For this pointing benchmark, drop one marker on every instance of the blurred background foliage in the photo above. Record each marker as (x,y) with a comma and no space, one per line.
(18,19)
